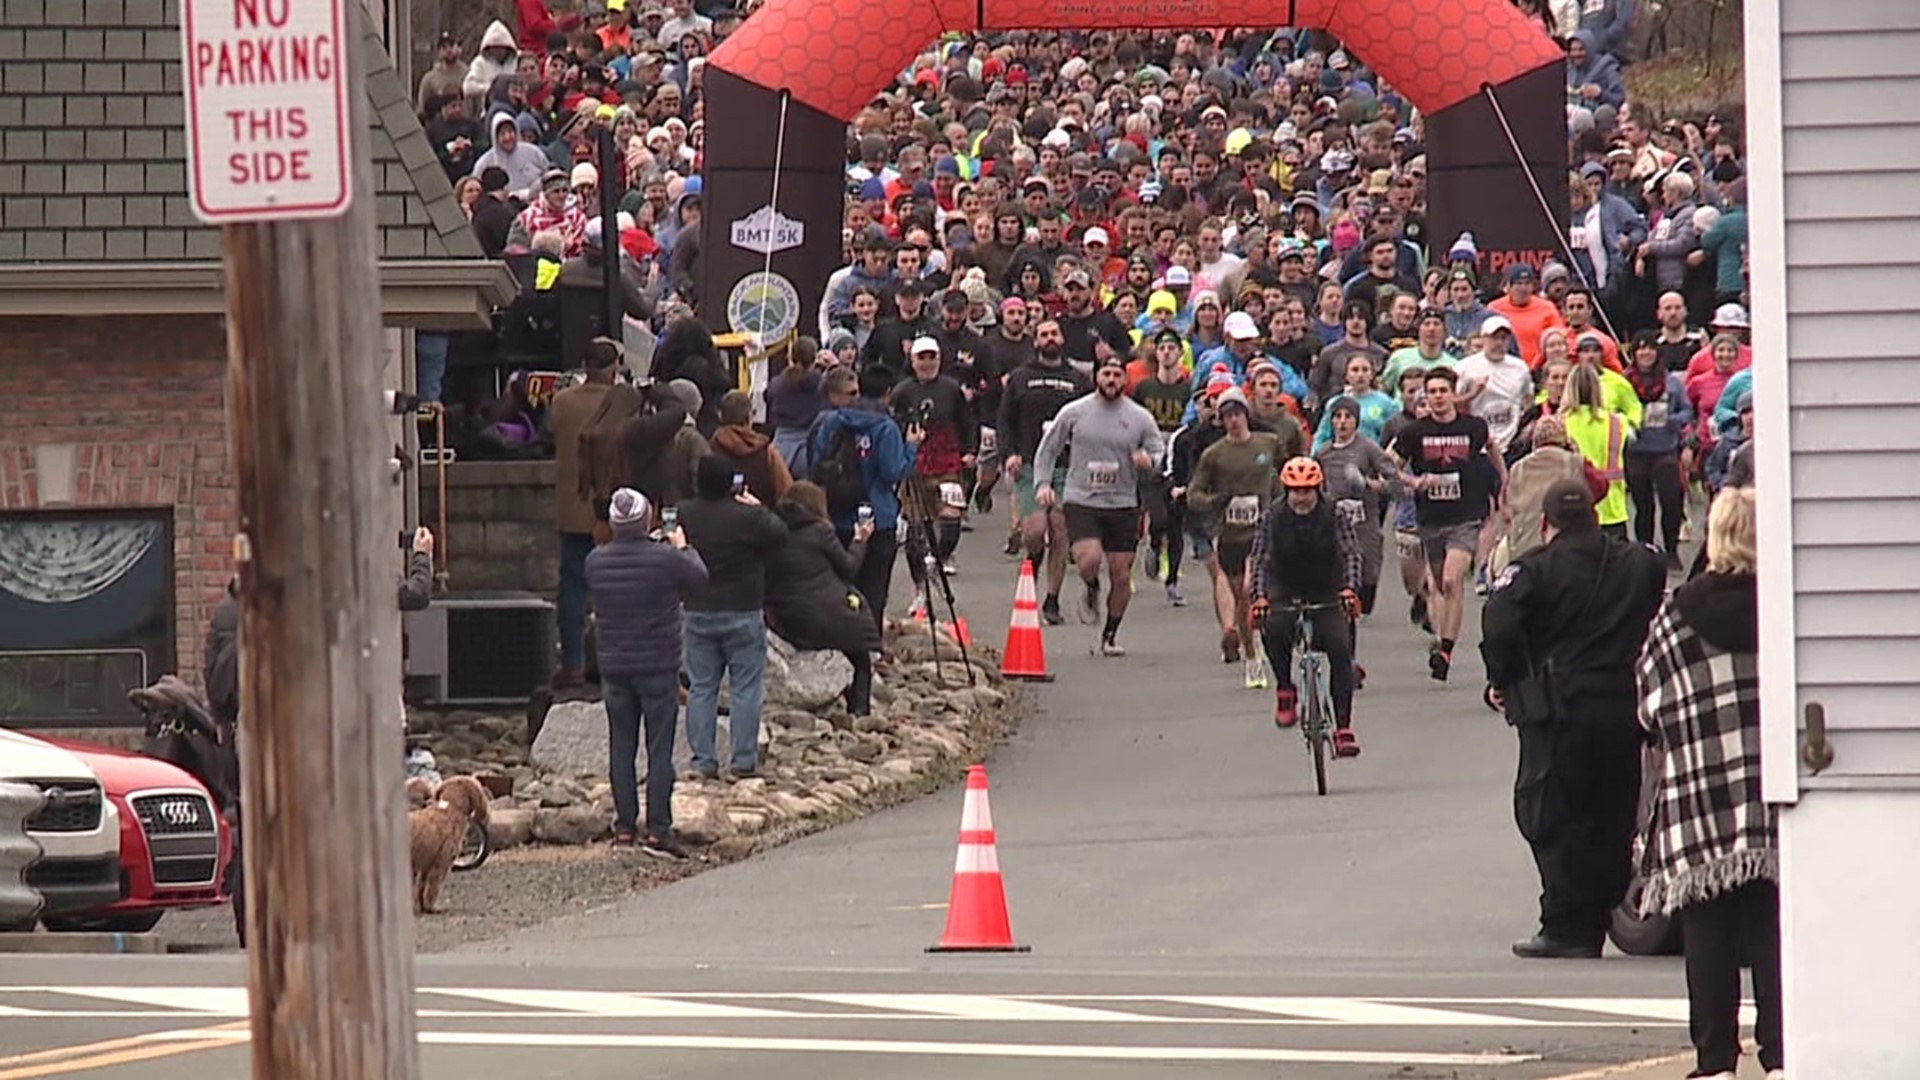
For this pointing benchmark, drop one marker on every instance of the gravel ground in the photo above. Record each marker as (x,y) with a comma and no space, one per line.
(523,886)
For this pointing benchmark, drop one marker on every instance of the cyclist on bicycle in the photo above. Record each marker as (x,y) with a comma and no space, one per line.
(1305,554)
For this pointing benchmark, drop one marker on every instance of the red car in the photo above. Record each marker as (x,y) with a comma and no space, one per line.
(174,845)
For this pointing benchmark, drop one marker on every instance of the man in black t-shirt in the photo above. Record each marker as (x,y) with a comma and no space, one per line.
(1456,484)
(1088,326)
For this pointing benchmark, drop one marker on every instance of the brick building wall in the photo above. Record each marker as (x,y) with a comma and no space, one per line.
(143,403)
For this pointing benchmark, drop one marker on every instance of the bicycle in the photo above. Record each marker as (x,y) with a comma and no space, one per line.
(1313,687)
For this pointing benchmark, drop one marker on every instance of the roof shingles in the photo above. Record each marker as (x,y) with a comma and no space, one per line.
(93,146)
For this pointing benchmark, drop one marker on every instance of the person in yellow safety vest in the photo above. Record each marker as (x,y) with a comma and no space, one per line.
(548,247)
(1600,434)
(1616,393)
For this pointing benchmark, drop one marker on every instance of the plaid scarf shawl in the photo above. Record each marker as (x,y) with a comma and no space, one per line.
(1709,831)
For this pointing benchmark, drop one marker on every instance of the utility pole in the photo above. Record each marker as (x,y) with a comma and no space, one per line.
(329,919)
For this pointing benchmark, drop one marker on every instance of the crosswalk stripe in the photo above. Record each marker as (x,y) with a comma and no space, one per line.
(1357,1011)
(556,1040)
(976,1007)
(623,1005)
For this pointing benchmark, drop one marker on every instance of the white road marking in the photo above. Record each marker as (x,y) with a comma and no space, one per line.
(934,1049)
(535,1005)
(1364,1012)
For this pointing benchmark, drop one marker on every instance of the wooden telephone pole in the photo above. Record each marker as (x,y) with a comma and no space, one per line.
(329,920)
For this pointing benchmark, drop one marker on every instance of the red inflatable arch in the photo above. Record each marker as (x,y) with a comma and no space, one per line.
(781,89)
(826,53)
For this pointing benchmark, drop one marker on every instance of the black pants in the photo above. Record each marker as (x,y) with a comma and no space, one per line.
(875,577)
(1176,538)
(1654,480)
(1330,637)
(1739,924)
(860,691)
(1576,799)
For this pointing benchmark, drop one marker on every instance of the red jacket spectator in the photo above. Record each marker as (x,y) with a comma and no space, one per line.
(537,23)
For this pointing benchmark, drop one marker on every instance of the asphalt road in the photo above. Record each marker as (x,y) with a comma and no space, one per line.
(1192,907)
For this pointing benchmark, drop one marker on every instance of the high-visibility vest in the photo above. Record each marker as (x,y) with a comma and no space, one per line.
(545,273)
(1601,437)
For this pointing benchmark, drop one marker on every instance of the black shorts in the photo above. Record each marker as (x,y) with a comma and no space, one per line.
(1232,556)
(1117,530)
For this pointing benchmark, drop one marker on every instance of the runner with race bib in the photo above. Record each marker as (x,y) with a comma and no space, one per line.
(1448,463)
(1107,439)
(1234,480)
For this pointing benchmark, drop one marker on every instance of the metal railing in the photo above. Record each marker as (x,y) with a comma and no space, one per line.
(19,903)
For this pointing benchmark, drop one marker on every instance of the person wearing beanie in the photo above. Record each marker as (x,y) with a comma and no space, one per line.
(725,630)
(1577,608)
(638,581)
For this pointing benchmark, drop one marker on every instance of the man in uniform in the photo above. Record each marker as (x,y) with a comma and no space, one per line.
(1560,633)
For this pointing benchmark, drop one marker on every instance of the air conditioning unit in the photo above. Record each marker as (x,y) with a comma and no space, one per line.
(479,648)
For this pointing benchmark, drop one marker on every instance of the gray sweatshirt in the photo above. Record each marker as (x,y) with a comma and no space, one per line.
(1098,438)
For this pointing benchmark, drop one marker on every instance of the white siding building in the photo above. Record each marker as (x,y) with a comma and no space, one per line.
(1835,250)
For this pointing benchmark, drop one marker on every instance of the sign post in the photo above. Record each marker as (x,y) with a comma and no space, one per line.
(276,106)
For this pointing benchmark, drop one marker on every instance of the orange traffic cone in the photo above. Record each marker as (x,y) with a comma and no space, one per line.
(957,629)
(1025,656)
(977,906)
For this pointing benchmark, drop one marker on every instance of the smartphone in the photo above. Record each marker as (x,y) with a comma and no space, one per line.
(739,483)
(669,518)
(865,514)
(406,539)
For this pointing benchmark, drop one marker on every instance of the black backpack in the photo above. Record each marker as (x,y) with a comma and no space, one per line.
(840,474)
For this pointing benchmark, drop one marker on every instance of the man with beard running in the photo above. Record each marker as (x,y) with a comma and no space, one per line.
(1034,395)
(1003,350)
(1106,439)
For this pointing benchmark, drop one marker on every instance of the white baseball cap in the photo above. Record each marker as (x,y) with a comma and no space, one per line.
(1496,322)
(1731,317)
(1240,327)
(1096,235)
(925,345)
(1179,275)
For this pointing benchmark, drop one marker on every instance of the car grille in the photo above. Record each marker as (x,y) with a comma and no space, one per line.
(183,839)
(71,806)
(72,872)
(171,815)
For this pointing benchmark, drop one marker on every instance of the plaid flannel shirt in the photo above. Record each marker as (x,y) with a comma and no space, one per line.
(1710,831)
(1346,541)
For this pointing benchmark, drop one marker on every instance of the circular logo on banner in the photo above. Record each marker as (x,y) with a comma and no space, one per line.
(764,303)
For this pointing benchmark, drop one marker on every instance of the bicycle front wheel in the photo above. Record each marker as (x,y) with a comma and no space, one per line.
(1314,720)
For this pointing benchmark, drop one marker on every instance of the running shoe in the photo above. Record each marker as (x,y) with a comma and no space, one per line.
(1480,585)
(1014,544)
(1439,663)
(1050,611)
(663,847)
(1344,743)
(1110,647)
(1256,673)
(1230,647)
(949,569)
(1173,596)
(1155,564)
(1283,708)
(1090,603)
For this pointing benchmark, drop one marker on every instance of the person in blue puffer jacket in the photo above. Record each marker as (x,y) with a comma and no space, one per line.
(1654,473)
(857,405)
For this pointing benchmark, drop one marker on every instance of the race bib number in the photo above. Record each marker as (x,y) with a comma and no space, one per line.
(989,440)
(953,495)
(1498,416)
(1656,414)
(1243,510)
(1443,487)
(1406,545)
(1577,237)
(1103,475)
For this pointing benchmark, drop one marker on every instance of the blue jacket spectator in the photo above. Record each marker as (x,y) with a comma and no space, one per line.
(1590,65)
(1726,411)
(1610,22)
(857,406)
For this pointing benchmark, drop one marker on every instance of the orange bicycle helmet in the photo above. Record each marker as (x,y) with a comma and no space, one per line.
(1301,472)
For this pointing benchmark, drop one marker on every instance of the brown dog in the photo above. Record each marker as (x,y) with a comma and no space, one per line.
(437,833)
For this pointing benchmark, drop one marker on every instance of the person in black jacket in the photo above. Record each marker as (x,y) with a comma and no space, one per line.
(1560,633)
(494,212)
(937,496)
(686,351)
(811,597)
(637,584)
(724,630)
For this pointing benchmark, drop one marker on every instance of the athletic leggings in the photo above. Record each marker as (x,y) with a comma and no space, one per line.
(1654,480)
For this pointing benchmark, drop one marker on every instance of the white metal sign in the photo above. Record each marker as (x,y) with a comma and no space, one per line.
(267,108)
